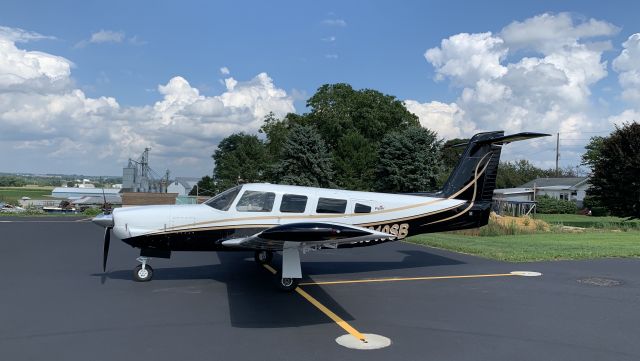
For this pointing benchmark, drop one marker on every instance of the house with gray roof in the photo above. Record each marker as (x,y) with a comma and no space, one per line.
(520,199)
(570,189)
(182,185)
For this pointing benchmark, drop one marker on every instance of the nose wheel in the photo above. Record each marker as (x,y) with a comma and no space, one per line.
(263,257)
(143,272)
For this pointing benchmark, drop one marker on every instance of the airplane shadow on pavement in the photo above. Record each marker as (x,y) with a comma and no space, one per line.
(254,301)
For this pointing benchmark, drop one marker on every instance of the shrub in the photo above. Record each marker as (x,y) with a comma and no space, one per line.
(550,205)
(599,212)
(590,202)
(92,212)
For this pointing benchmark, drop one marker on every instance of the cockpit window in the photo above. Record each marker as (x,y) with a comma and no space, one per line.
(223,200)
(256,201)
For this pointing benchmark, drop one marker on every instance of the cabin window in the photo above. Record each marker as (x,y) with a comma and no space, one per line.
(293,203)
(362,208)
(223,200)
(330,205)
(256,201)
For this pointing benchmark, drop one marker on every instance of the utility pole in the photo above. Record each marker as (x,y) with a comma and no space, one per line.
(557,152)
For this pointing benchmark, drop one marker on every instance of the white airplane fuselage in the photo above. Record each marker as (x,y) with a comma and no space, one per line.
(388,213)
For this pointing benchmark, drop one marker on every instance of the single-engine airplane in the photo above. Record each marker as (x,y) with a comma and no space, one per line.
(266,218)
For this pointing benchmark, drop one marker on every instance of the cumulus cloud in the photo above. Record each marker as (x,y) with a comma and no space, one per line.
(625,116)
(446,119)
(533,75)
(467,58)
(549,32)
(627,64)
(46,122)
(22,70)
(225,71)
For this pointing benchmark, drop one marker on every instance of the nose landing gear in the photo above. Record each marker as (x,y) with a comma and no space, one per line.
(263,257)
(143,272)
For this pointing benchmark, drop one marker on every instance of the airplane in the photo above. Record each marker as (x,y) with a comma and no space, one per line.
(267,218)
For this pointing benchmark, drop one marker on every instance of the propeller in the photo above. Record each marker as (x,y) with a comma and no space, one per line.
(105,254)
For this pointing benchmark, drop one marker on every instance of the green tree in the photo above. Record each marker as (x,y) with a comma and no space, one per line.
(239,158)
(276,132)
(514,174)
(338,109)
(355,161)
(451,152)
(409,161)
(305,160)
(11,181)
(206,187)
(593,150)
(615,180)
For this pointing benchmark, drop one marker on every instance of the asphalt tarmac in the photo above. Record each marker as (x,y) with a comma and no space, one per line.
(56,304)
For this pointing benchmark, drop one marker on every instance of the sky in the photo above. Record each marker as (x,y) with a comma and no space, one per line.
(84,86)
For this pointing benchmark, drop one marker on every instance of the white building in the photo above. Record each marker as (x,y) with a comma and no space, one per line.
(77,193)
(569,189)
(182,185)
(85,183)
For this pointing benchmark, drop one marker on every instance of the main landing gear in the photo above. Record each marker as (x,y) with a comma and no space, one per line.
(291,273)
(143,272)
(287,284)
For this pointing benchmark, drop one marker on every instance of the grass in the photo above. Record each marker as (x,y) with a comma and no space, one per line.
(577,220)
(539,246)
(13,194)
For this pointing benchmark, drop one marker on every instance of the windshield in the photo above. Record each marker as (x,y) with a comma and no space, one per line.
(223,200)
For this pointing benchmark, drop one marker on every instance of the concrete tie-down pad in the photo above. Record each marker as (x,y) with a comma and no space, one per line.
(371,342)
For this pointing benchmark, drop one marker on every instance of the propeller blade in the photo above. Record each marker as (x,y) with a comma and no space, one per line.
(105,253)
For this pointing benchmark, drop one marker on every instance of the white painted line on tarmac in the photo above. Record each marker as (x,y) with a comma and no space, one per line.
(526,273)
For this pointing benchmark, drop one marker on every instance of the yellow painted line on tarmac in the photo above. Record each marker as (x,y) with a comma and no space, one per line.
(271,269)
(342,323)
(339,321)
(397,279)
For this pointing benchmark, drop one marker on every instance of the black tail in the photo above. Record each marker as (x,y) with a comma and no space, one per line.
(474,177)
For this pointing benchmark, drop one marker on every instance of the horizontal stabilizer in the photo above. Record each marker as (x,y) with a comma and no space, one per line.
(505,139)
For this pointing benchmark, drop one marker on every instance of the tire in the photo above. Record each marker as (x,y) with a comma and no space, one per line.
(263,257)
(142,276)
(287,284)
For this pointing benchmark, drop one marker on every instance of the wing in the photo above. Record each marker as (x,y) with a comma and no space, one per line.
(319,234)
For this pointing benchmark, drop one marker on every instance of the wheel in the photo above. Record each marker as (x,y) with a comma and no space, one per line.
(142,275)
(287,284)
(263,257)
